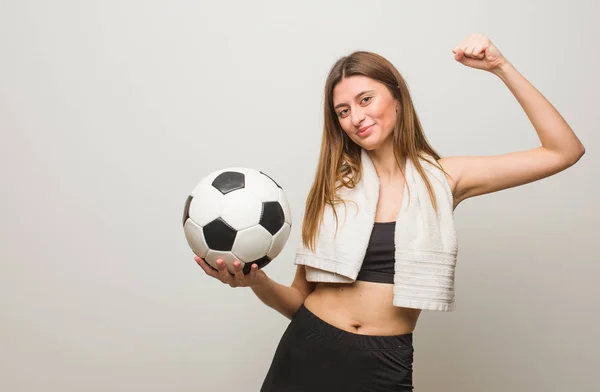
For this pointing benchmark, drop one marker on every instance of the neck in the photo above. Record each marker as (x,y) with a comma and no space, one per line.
(385,163)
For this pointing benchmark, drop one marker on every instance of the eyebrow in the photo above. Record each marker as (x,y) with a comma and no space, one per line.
(357,95)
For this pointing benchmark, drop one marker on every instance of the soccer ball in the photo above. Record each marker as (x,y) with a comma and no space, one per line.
(237,214)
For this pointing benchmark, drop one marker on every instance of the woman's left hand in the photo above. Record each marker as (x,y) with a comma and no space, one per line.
(477,51)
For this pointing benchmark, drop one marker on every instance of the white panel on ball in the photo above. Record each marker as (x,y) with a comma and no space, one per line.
(195,238)
(241,209)
(279,240)
(287,212)
(262,186)
(252,243)
(205,182)
(213,255)
(206,205)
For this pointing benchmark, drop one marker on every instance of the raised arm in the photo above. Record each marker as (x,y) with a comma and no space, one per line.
(560,147)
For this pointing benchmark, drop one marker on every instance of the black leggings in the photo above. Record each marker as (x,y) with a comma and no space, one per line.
(315,356)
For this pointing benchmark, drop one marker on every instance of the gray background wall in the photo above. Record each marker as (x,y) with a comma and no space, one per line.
(111,111)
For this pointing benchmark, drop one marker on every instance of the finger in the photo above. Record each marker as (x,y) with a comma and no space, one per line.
(474,43)
(470,47)
(239,274)
(459,47)
(206,268)
(459,54)
(464,45)
(482,49)
(469,62)
(253,274)
(224,274)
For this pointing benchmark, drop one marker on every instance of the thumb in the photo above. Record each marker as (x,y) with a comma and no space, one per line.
(459,56)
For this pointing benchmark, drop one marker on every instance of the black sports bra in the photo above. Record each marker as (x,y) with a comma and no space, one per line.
(378,264)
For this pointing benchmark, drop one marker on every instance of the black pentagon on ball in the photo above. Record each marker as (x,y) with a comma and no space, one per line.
(186,209)
(229,181)
(271,179)
(263,261)
(272,217)
(219,235)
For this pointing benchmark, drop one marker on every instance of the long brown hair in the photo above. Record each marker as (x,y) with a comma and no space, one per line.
(339,160)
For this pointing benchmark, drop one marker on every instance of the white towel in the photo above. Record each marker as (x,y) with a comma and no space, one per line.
(425,241)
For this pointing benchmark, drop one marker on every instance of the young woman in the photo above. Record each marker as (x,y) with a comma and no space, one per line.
(352,324)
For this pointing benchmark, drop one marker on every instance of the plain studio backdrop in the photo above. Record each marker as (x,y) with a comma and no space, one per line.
(112,111)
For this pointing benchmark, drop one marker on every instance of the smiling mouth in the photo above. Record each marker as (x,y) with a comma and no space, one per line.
(364,129)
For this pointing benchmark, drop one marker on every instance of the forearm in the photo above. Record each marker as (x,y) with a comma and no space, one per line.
(554,133)
(284,299)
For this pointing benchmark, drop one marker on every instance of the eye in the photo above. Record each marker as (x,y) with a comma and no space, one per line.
(366,99)
(341,113)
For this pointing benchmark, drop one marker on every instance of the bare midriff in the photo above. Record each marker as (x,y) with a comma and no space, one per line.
(362,308)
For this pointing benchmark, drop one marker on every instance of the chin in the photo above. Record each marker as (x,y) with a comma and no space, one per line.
(368,144)
(368,147)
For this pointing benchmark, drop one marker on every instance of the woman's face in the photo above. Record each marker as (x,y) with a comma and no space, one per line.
(366,110)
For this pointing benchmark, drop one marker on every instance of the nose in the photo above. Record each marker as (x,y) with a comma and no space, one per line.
(358,115)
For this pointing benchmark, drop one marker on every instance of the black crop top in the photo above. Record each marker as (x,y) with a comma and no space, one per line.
(378,264)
